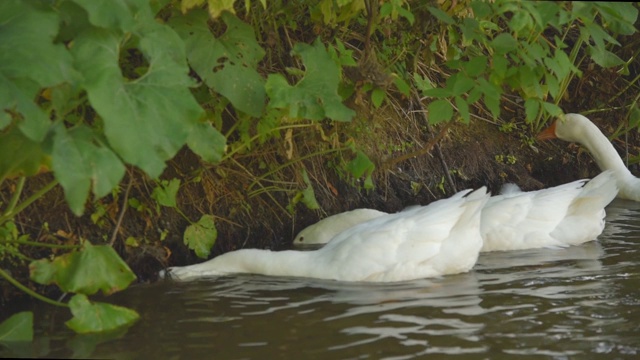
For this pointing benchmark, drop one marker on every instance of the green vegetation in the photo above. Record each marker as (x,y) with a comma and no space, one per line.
(96,91)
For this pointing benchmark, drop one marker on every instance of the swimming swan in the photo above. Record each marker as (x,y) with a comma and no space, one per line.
(560,216)
(437,239)
(578,128)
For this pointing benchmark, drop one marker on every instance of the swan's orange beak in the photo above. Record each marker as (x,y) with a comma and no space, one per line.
(548,133)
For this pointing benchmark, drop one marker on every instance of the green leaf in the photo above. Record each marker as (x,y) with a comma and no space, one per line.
(87,271)
(620,17)
(441,15)
(439,111)
(459,84)
(504,43)
(315,97)
(26,45)
(362,166)
(492,94)
(27,157)
(521,20)
(308,195)
(166,193)
(78,161)
(148,119)
(481,9)
(552,109)
(604,57)
(201,236)
(220,7)
(531,108)
(208,142)
(437,92)
(18,327)
(112,14)
(98,317)
(227,64)
(500,66)
(463,109)
(402,86)
(29,60)
(377,97)
(552,84)
(476,66)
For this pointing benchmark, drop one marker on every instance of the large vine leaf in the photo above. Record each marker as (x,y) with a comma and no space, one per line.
(315,97)
(112,14)
(78,161)
(208,142)
(146,120)
(226,64)
(97,317)
(27,156)
(29,60)
(201,236)
(86,271)
(18,327)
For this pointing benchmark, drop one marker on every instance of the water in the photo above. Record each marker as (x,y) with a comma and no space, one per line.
(577,303)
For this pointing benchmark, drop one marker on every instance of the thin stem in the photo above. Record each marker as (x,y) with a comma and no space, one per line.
(30,292)
(242,146)
(35,243)
(289,163)
(16,195)
(122,211)
(38,194)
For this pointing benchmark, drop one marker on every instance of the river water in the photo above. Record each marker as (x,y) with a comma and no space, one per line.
(577,303)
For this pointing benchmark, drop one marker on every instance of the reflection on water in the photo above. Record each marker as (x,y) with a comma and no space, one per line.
(578,302)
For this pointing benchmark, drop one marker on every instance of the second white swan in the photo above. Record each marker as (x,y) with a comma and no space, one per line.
(579,129)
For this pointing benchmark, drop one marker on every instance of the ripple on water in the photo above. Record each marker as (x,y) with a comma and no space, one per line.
(577,302)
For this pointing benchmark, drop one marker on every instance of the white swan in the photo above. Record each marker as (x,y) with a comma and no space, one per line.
(440,238)
(560,216)
(578,128)
(564,215)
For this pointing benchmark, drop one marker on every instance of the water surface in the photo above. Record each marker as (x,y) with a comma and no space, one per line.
(581,302)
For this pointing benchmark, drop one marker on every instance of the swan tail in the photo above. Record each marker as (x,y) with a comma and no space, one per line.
(474,202)
(596,194)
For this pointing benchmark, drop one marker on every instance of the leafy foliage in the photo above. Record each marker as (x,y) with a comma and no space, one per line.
(228,63)
(18,327)
(87,271)
(524,59)
(93,317)
(315,97)
(201,236)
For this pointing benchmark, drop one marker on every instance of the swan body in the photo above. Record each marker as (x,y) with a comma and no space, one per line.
(564,215)
(579,129)
(560,216)
(438,239)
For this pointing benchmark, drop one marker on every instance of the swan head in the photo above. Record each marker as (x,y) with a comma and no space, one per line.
(324,230)
(570,128)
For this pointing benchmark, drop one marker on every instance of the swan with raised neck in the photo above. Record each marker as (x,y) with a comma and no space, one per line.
(578,128)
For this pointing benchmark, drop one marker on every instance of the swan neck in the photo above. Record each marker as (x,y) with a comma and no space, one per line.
(603,152)
(265,262)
